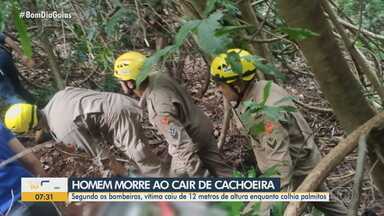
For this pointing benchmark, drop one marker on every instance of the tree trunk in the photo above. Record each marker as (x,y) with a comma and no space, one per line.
(330,67)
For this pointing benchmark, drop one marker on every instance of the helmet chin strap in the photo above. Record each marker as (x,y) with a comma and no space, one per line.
(30,126)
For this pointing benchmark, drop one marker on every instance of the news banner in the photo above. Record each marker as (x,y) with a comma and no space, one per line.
(160,189)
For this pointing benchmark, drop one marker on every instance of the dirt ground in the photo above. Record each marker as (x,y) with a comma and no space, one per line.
(300,83)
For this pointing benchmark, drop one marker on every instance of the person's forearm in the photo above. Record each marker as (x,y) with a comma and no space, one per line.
(30,161)
(34,165)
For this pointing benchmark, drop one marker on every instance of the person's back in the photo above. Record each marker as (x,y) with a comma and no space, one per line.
(302,151)
(188,131)
(89,119)
(168,96)
(68,105)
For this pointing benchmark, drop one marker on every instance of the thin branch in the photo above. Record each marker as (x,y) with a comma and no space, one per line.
(360,60)
(141,23)
(52,59)
(338,178)
(315,108)
(361,158)
(360,23)
(71,154)
(380,157)
(349,24)
(86,78)
(225,125)
(269,40)
(260,27)
(371,181)
(256,2)
(277,36)
(289,68)
(377,65)
(23,153)
(363,31)
(331,160)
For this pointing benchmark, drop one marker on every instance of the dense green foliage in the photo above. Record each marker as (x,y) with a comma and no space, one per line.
(373,13)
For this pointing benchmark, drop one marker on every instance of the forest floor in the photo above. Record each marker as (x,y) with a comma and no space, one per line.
(300,83)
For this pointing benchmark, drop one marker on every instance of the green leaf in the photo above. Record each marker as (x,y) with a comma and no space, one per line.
(237,173)
(278,209)
(2,20)
(288,108)
(234,61)
(91,33)
(185,30)
(271,171)
(234,208)
(228,5)
(266,92)
(265,68)
(270,70)
(229,29)
(257,129)
(277,113)
(112,23)
(149,62)
(316,212)
(246,119)
(207,40)
(285,99)
(252,173)
(21,28)
(252,107)
(209,7)
(273,113)
(181,35)
(248,104)
(297,34)
(256,209)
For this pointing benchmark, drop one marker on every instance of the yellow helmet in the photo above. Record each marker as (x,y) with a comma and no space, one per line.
(222,72)
(21,117)
(128,65)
